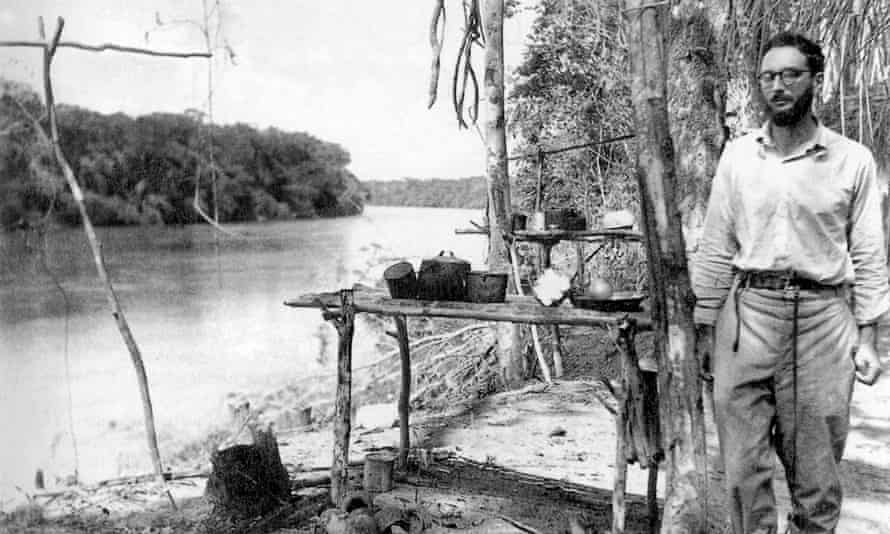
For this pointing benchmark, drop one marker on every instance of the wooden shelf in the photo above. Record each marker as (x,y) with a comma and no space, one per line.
(576,235)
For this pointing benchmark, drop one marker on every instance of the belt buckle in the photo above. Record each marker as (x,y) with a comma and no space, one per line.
(790,290)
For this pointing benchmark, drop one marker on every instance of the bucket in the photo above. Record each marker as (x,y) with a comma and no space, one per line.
(378,471)
(484,286)
(304,416)
(401,280)
(555,218)
(517,222)
(537,222)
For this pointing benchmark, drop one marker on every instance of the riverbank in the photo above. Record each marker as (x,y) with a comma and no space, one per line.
(209,322)
(561,432)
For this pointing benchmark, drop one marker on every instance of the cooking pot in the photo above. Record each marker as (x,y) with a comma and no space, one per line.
(485,286)
(443,277)
(401,280)
(574,220)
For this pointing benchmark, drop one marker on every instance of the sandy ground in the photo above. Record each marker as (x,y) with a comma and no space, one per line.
(561,431)
(514,430)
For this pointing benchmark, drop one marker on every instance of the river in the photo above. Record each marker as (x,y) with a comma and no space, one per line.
(207,324)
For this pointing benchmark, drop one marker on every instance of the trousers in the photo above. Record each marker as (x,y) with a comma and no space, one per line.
(769,400)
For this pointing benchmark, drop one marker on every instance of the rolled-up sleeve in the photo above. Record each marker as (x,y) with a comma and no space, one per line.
(871,291)
(712,272)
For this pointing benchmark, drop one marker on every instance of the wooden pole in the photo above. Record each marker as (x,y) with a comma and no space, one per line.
(96,248)
(652,498)
(620,484)
(536,340)
(344,321)
(511,361)
(640,391)
(104,47)
(557,352)
(672,299)
(405,393)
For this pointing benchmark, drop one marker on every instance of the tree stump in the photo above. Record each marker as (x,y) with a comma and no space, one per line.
(249,480)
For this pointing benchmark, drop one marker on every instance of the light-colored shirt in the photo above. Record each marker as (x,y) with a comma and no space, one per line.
(816,213)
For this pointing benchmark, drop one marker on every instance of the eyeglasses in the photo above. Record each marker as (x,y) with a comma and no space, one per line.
(788,76)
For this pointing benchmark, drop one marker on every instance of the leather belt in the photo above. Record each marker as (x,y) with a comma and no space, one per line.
(781,281)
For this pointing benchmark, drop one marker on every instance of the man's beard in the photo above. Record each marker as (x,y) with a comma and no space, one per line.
(798,111)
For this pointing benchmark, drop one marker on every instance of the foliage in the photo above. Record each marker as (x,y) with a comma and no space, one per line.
(436,193)
(143,170)
(571,88)
(855,37)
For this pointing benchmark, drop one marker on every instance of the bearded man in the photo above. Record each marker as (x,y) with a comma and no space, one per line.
(790,279)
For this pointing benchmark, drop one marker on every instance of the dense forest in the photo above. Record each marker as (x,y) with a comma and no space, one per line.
(149,169)
(435,193)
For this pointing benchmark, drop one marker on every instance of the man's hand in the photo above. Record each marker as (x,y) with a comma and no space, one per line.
(704,347)
(868,366)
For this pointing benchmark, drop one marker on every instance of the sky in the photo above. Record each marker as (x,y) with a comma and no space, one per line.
(353,72)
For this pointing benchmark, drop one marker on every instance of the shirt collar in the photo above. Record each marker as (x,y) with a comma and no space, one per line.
(817,145)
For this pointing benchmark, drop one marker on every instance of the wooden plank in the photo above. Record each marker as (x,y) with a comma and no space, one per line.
(516,310)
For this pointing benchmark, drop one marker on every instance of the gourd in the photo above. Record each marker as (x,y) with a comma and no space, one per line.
(599,289)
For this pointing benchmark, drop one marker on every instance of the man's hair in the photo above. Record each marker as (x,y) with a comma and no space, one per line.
(810,49)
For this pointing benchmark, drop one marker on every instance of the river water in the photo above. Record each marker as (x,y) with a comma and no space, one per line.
(207,324)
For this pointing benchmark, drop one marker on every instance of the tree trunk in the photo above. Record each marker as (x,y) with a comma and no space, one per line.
(249,480)
(511,360)
(672,298)
(696,104)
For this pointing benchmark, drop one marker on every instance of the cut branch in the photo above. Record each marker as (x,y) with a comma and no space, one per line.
(51,138)
(96,247)
(105,47)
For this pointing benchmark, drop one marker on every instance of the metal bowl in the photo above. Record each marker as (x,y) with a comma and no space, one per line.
(620,301)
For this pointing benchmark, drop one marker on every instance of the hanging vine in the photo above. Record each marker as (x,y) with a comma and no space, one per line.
(437,38)
(464,76)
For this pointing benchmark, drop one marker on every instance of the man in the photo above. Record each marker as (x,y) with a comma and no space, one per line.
(792,236)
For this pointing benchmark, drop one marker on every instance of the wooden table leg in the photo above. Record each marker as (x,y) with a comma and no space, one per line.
(405,393)
(345,325)
(620,486)
(640,414)
(557,352)
(652,498)
(536,340)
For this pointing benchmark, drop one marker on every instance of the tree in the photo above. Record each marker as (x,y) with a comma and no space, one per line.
(672,300)
(510,358)
(141,170)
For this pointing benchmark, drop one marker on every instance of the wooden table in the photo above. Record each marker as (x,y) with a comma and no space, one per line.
(341,306)
(547,239)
